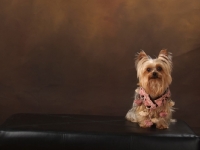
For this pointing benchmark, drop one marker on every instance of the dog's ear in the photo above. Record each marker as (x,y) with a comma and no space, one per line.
(163,52)
(141,56)
(164,55)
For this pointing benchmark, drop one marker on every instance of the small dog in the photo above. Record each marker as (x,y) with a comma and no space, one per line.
(152,103)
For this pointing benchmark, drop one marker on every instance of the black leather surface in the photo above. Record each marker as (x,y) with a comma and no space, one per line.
(45,131)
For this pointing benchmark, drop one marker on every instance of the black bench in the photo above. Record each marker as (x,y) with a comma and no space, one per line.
(49,131)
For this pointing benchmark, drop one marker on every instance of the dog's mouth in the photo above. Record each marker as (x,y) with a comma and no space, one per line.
(154,77)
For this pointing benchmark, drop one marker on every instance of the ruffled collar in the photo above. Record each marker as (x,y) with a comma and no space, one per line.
(151,104)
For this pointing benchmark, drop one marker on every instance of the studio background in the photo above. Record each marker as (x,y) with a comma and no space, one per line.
(77,56)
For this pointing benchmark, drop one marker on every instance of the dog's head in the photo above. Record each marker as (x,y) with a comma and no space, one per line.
(154,74)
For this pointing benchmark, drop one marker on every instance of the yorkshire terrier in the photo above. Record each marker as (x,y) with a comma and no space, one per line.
(152,104)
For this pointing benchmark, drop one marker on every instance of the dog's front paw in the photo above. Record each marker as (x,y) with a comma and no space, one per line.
(161,125)
(146,123)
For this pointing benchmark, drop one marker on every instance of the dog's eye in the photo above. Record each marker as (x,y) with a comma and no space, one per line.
(148,69)
(159,68)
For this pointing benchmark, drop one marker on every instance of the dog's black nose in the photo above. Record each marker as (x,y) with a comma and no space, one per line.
(155,74)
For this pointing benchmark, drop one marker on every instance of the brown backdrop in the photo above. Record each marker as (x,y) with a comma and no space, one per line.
(77,56)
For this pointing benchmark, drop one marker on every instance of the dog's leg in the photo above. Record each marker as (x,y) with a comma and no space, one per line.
(146,123)
(162,124)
